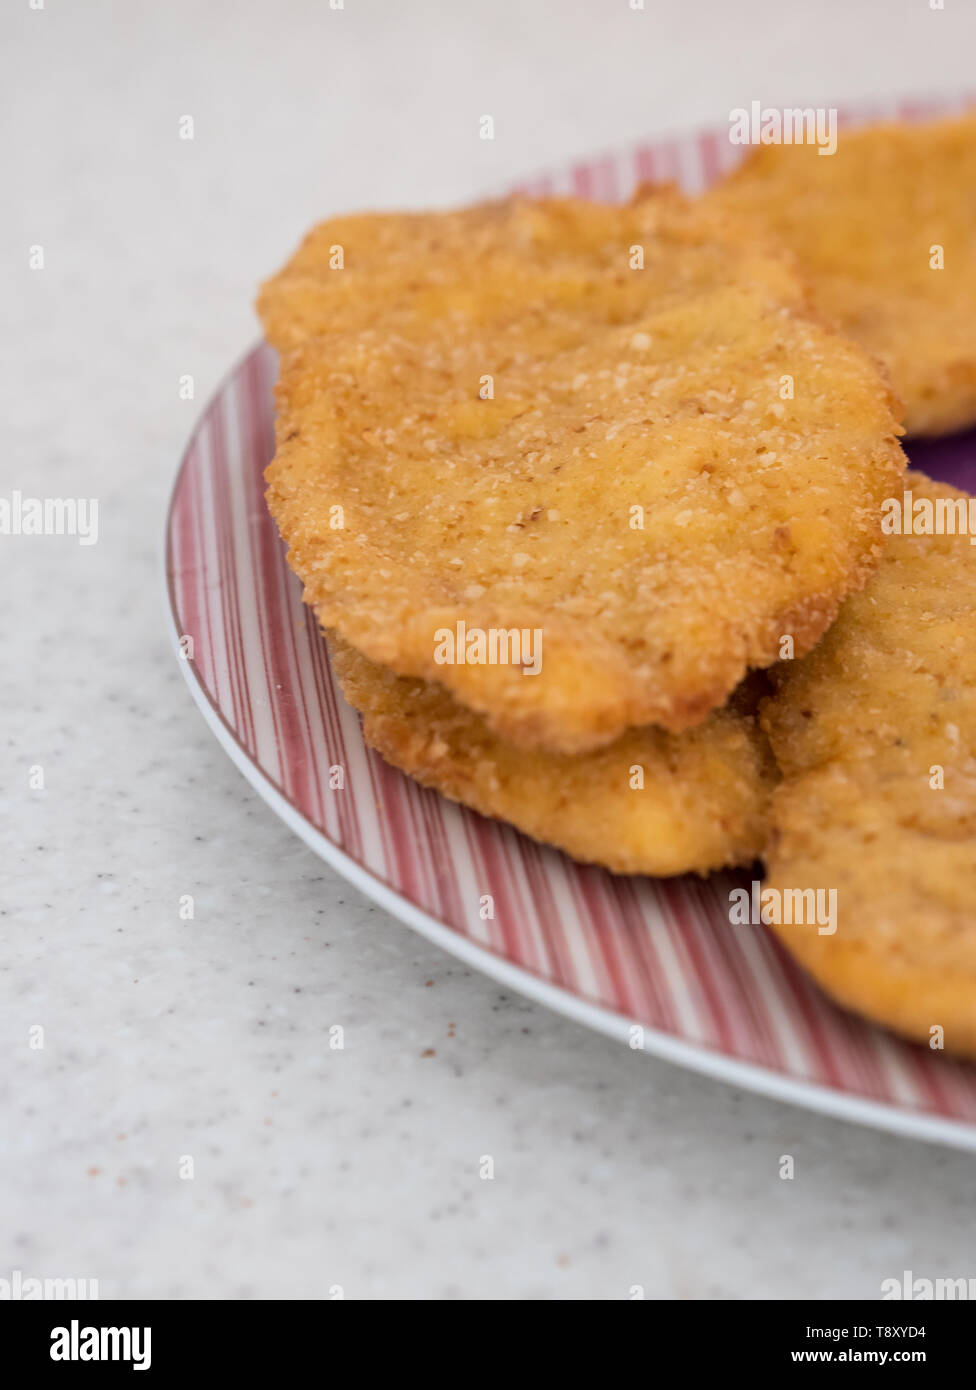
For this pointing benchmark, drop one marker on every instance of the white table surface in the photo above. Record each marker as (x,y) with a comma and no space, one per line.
(316,1168)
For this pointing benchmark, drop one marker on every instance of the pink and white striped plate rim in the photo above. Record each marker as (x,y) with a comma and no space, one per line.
(659,952)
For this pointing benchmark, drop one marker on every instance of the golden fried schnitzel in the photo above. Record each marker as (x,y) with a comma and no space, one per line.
(580,465)
(875,735)
(884,229)
(650,802)
(516,277)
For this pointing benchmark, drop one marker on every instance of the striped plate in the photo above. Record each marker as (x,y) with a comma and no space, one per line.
(653,963)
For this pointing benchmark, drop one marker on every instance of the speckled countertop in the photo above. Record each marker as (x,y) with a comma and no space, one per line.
(165,1039)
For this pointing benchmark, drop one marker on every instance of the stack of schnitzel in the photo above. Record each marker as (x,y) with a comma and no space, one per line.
(591,502)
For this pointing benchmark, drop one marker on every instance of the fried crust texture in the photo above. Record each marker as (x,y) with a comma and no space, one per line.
(615,431)
(650,802)
(875,735)
(883,228)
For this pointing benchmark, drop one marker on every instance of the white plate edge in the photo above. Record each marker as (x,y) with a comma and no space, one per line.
(732,1071)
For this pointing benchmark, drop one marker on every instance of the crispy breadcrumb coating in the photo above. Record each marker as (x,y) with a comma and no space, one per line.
(490,417)
(865,225)
(650,802)
(875,734)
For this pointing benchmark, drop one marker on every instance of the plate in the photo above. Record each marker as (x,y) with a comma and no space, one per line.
(653,963)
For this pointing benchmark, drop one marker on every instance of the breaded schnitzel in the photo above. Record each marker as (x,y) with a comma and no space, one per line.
(884,230)
(875,735)
(650,802)
(517,276)
(612,432)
